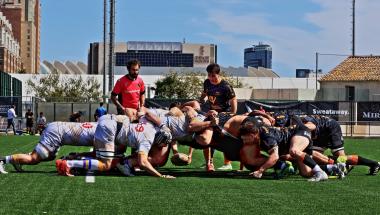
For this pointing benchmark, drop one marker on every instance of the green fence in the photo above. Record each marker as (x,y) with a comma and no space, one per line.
(16,87)
(5,84)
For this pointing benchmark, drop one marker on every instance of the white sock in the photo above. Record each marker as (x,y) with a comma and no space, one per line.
(8,158)
(317,169)
(90,164)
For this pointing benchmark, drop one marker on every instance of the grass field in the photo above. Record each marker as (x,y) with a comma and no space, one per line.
(41,191)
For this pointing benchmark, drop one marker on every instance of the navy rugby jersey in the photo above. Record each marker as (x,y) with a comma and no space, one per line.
(322,123)
(219,95)
(271,137)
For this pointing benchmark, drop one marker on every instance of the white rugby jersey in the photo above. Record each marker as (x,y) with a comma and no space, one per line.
(57,134)
(179,125)
(158,112)
(141,135)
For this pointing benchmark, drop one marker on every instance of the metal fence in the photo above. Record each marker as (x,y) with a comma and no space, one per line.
(352,120)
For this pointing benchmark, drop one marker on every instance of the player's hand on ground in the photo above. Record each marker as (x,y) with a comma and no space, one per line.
(256,174)
(167,176)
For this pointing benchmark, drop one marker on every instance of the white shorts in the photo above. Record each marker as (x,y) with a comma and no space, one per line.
(43,152)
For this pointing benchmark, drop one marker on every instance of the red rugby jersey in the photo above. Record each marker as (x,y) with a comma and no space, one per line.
(129,91)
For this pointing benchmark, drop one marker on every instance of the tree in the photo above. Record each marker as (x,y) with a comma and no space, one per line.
(53,87)
(233,81)
(187,85)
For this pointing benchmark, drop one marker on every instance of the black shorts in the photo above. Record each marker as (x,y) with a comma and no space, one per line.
(329,138)
(189,140)
(29,123)
(304,132)
(225,143)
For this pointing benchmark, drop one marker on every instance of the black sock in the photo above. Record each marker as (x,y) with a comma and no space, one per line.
(308,161)
(366,162)
(212,153)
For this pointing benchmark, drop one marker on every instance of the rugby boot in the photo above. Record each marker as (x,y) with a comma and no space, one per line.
(319,176)
(374,169)
(2,169)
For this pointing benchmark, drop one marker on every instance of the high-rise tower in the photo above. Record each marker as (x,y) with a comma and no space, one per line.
(24,16)
(258,56)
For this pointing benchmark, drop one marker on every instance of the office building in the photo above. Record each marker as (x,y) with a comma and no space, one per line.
(24,16)
(258,56)
(10,60)
(154,54)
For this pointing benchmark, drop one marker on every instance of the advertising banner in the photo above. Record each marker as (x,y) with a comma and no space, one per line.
(368,111)
(337,110)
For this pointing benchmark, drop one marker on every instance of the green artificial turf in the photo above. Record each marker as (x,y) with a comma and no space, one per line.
(39,190)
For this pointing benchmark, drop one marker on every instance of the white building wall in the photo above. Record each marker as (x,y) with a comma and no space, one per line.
(305,86)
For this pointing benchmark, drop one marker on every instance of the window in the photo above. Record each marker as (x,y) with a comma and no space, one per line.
(350,93)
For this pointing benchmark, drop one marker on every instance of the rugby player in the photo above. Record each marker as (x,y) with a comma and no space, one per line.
(278,142)
(55,135)
(327,134)
(114,131)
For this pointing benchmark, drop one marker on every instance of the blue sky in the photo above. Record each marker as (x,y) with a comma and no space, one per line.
(295,29)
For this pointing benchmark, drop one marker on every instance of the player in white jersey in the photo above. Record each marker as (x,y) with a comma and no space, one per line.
(53,137)
(179,120)
(115,131)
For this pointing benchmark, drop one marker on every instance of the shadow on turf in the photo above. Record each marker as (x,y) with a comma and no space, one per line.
(187,173)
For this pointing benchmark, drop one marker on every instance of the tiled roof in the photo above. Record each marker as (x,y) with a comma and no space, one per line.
(358,68)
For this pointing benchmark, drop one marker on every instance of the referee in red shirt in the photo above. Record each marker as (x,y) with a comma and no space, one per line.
(128,92)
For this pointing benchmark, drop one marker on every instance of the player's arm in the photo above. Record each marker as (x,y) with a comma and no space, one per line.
(151,117)
(233,103)
(194,104)
(174,147)
(115,92)
(231,96)
(116,102)
(202,98)
(265,115)
(142,95)
(310,126)
(142,100)
(271,161)
(145,164)
(196,125)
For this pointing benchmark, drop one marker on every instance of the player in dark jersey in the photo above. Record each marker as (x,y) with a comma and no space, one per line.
(261,138)
(298,147)
(328,135)
(221,98)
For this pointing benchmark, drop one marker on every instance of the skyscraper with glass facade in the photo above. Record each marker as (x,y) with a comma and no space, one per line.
(258,56)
